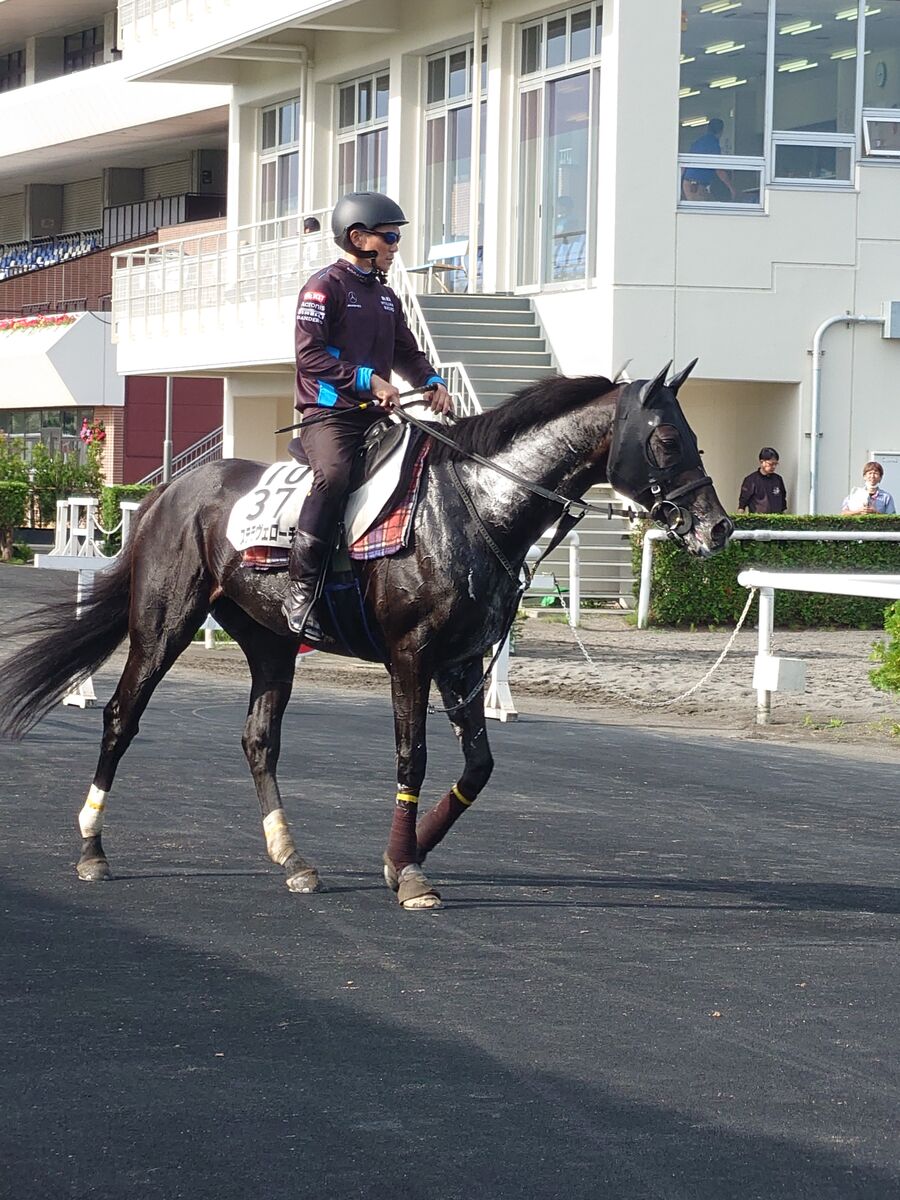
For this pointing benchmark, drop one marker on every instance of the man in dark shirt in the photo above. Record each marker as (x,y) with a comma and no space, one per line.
(350,334)
(763,491)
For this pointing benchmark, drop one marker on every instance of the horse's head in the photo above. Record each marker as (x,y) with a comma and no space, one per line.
(655,461)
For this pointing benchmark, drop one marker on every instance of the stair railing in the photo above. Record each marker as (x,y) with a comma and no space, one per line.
(466,402)
(207,449)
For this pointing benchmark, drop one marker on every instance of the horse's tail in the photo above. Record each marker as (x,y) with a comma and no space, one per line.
(70,643)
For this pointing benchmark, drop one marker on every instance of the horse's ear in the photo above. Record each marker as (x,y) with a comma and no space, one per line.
(619,376)
(677,380)
(649,390)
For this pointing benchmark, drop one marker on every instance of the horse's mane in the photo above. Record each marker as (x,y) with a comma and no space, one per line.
(487,433)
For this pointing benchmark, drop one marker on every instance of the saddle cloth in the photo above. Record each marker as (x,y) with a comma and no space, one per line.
(267,515)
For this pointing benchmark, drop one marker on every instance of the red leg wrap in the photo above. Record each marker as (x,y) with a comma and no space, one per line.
(436,823)
(402,849)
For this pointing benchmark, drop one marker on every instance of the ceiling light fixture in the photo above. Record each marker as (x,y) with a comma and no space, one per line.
(686,91)
(727,81)
(720,6)
(799,27)
(725,47)
(851,14)
(797,64)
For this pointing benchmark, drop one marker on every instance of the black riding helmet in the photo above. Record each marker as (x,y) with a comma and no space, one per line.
(363,210)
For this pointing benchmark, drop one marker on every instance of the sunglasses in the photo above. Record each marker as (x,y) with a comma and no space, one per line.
(389,239)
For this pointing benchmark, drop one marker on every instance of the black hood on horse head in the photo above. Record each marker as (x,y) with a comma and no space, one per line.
(488,433)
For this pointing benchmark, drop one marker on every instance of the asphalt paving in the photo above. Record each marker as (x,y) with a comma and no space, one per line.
(666,967)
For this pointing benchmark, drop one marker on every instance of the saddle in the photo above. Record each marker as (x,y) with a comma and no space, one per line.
(261,524)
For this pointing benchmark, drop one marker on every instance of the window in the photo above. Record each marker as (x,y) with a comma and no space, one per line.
(279,165)
(448,148)
(559,61)
(83,50)
(362,134)
(787,105)
(722,103)
(56,428)
(881,80)
(12,70)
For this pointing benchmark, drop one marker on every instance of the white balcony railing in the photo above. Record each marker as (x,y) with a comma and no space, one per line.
(239,282)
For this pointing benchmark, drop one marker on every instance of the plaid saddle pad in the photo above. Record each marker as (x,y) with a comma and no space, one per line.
(392,532)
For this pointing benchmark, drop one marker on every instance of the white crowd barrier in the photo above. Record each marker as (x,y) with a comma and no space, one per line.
(771,673)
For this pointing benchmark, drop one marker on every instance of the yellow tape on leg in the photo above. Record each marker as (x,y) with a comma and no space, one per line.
(460,797)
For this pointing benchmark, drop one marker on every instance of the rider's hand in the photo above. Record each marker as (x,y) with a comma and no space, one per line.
(385,393)
(440,400)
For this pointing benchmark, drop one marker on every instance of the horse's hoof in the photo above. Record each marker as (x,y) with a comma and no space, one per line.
(305,881)
(95,870)
(414,891)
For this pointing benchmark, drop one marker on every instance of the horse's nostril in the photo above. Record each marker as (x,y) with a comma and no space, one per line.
(722,530)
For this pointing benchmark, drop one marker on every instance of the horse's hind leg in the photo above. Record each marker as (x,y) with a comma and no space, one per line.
(455,684)
(271,658)
(154,648)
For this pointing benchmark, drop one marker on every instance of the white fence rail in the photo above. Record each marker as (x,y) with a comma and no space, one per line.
(771,673)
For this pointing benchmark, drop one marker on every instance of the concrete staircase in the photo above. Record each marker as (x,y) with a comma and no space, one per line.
(497,338)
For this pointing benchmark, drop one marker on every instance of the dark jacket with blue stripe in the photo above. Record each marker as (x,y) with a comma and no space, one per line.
(350,325)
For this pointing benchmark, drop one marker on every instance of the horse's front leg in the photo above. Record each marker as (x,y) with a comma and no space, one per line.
(410,683)
(466,713)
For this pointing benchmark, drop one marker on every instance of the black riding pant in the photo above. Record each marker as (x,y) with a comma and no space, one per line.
(331,444)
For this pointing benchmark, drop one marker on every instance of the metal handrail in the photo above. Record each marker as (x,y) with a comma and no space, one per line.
(206,449)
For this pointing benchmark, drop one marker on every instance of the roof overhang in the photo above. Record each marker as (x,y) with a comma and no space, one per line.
(59,362)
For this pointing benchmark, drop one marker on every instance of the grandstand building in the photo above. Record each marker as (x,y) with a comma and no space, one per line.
(647,180)
(91,161)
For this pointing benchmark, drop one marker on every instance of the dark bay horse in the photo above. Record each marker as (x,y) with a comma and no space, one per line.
(438,606)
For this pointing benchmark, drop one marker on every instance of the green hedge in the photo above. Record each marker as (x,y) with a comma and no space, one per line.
(111,513)
(691,591)
(13,502)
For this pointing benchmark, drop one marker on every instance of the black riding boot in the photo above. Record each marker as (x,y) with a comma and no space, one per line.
(305,567)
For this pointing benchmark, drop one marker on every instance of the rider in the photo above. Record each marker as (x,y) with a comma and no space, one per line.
(350,334)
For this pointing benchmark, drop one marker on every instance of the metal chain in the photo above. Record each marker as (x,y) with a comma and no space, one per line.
(690,690)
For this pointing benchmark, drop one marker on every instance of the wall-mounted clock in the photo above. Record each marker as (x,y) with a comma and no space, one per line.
(880,74)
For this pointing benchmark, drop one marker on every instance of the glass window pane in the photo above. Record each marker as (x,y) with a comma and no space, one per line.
(267,191)
(268,129)
(556,42)
(458,73)
(881,78)
(288,184)
(459,171)
(437,85)
(364,103)
(17,423)
(434,182)
(483,67)
(565,177)
(598,33)
(286,131)
(723,79)
(33,421)
(346,167)
(347,107)
(746,187)
(529,185)
(382,96)
(365,163)
(812,162)
(883,137)
(531,49)
(814,81)
(381,142)
(580,36)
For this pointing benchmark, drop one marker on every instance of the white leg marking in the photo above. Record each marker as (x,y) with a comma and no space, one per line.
(279,842)
(90,819)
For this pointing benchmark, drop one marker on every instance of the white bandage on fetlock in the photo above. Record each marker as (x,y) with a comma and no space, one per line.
(90,819)
(279,842)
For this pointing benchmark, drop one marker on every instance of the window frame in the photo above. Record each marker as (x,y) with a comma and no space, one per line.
(279,154)
(353,132)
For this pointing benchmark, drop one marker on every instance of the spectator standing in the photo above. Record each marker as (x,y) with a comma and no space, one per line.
(869,498)
(763,491)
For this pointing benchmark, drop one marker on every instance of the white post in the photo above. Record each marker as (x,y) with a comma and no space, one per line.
(127,507)
(764,648)
(499,702)
(83,694)
(574,579)
(643,610)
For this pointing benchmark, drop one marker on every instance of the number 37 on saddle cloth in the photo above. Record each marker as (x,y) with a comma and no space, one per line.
(377,518)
